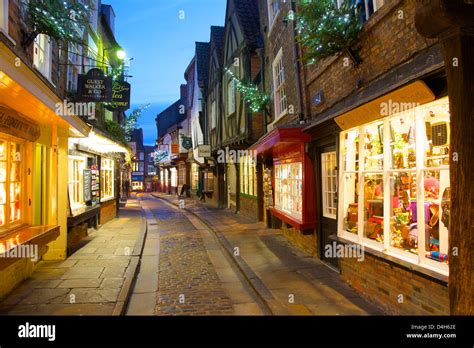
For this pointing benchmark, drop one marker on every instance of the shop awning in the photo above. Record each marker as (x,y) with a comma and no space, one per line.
(280,135)
(403,99)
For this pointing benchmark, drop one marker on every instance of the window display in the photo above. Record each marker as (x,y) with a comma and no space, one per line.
(329,184)
(107,178)
(397,195)
(11,183)
(289,188)
(194,176)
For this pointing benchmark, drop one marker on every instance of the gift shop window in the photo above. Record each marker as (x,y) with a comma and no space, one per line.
(107,179)
(11,184)
(174,177)
(77,165)
(395,194)
(248,177)
(329,184)
(289,189)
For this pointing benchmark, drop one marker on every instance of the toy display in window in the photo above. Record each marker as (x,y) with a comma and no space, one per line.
(373,207)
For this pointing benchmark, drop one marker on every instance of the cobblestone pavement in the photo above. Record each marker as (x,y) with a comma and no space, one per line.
(92,281)
(289,281)
(184,270)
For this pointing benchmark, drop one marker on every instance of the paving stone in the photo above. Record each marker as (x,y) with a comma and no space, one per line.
(80,283)
(94,295)
(113,283)
(83,273)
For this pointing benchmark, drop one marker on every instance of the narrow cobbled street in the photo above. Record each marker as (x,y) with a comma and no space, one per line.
(220,263)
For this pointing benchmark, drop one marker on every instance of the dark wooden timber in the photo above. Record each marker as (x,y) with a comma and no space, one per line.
(452,22)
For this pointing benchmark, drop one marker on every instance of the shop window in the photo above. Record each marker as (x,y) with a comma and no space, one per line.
(107,177)
(194,176)
(281,102)
(289,189)
(248,176)
(42,55)
(329,184)
(11,184)
(4,15)
(396,196)
(208,181)
(77,165)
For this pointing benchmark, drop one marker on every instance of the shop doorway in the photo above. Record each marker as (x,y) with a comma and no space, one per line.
(327,205)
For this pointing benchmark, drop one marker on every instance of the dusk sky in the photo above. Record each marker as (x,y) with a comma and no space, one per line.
(162,46)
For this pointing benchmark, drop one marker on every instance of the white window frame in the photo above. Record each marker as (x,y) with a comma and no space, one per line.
(42,46)
(329,178)
(420,258)
(279,86)
(76,183)
(294,182)
(107,171)
(377,4)
(4,16)
(272,15)
(231,97)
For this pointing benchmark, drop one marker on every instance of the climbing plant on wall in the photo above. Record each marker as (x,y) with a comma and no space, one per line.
(59,19)
(324,28)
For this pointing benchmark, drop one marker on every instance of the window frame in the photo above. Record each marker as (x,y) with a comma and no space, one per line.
(248,176)
(4,18)
(328,158)
(272,15)
(43,44)
(295,183)
(78,184)
(280,97)
(9,225)
(231,97)
(107,179)
(385,247)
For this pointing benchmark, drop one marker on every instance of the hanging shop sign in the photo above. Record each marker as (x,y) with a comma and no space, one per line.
(186,142)
(94,87)
(204,151)
(14,124)
(174,149)
(121,91)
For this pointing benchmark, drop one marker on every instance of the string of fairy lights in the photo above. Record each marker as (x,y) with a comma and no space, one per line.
(255,99)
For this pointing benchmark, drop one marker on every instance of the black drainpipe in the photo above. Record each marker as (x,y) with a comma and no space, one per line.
(301,115)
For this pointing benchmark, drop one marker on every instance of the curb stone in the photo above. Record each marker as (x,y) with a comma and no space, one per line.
(132,270)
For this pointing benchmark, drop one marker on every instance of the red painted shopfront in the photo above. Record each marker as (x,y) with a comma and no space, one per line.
(290,197)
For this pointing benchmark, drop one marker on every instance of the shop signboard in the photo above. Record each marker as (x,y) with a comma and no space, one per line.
(204,151)
(174,149)
(121,91)
(137,178)
(13,123)
(94,87)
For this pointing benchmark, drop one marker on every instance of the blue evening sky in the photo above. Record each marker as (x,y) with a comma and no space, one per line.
(162,46)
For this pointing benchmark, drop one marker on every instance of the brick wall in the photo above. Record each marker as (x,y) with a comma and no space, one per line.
(383,282)
(304,240)
(280,36)
(388,39)
(248,207)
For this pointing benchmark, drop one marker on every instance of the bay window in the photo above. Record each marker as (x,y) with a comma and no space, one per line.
(289,189)
(11,184)
(107,176)
(395,185)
